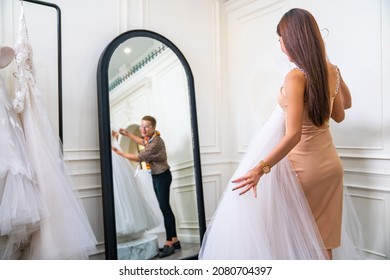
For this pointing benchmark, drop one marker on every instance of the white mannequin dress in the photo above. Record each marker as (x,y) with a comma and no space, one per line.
(133,215)
(66,233)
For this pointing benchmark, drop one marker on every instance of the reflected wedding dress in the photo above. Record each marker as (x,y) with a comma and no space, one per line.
(133,214)
(66,233)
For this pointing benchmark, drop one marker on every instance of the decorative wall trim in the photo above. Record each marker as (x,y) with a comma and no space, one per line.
(212,182)
(215,146)
(81,154)
(90,192)
(366,172)
(189,176)
(179,192)
(137,67)
(84,168)
(133,14)
(362,155)
(383,224)
(122,93)
(367,188)
(232,5)
(99,254)
(365,196)
(122,19)
(182,166)
(384,256)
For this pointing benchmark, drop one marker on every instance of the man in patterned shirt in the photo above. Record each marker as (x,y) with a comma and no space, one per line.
(155,157)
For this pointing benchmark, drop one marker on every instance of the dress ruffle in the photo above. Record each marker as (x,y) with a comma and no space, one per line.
(21,206)
(133,215)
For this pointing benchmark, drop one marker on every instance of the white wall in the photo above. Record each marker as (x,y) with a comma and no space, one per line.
(208,33)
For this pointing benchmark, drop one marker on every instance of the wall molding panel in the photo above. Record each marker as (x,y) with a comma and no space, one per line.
(212,188)
(371,203)
(213,143)
(253,74)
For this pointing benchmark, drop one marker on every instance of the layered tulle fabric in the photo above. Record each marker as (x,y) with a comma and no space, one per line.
(133,215)
(144,179)
(21,207)
(66,233)
(278,224)
(352,242)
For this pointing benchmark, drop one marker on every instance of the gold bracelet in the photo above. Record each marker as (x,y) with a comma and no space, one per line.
(265,168)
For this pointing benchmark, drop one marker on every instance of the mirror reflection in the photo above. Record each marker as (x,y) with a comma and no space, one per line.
(146,78)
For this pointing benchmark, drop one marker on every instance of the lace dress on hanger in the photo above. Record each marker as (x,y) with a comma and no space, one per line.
(21,207)
(133,215)
(66,233)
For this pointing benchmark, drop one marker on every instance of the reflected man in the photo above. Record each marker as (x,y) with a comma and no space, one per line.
(155,157)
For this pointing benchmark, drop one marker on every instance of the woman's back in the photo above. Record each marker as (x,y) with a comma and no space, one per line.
(319,170)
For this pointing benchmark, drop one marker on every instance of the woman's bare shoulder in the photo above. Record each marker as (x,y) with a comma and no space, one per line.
(295,75)
(295,83)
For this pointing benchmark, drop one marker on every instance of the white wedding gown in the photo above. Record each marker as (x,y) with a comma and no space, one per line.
(145,180)
(21,206)
(66,233)
(133,214)
(278,224)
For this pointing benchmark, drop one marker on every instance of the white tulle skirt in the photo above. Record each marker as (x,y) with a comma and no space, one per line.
(144,179)
(66,233)
(21,206)
(133,215)
(278,224)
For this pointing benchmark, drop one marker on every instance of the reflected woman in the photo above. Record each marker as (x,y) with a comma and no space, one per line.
(155,157)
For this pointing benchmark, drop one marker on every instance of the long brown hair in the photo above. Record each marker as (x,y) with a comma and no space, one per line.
(305,47)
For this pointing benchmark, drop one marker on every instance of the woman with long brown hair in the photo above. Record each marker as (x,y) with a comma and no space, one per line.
(299,205)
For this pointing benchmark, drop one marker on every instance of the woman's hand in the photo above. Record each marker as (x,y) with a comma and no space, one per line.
(248,181)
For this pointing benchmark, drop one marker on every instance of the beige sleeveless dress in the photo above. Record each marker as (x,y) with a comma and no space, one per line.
(320,173)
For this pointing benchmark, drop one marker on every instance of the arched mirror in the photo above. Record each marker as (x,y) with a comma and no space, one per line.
(143,73)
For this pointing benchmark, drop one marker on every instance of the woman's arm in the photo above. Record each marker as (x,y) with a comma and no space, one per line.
(136,139)
(342,101)
(345,94)
(338,113)
(294,86)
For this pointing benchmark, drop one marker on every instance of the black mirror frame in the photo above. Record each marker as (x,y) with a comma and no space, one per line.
(111,252)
